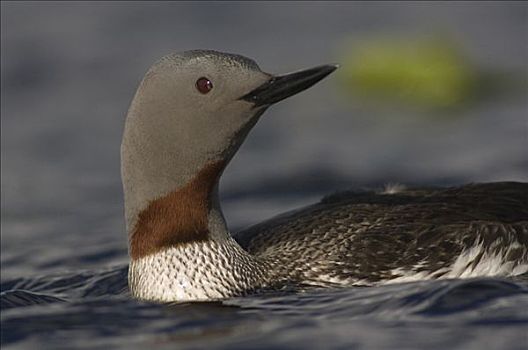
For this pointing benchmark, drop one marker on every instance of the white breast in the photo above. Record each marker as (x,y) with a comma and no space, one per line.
(196,271)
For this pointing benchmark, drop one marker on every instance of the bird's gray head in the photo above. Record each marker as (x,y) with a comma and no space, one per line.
(190,114)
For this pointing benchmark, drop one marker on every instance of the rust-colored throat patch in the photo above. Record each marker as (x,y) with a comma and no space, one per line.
(177,218)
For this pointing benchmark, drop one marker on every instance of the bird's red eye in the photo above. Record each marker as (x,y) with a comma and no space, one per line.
(204,85)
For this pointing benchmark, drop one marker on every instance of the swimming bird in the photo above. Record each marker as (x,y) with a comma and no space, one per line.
(191,113)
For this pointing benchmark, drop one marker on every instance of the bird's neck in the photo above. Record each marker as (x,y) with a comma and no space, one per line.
(181,249)
(190,213)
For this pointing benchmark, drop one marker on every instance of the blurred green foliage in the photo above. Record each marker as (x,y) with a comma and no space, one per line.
(430,73)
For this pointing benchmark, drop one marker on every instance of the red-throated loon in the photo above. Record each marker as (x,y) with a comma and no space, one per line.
(191,113)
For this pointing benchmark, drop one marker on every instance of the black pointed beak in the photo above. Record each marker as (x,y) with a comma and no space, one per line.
(280,87)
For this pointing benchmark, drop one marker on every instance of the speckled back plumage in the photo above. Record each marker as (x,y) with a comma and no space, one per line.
(367,238)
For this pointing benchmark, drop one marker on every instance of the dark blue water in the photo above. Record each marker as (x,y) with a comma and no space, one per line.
(69,71)
(93,310)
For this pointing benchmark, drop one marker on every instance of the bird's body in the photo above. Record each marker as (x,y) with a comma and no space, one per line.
(354,239)
(367,238)
(191,113)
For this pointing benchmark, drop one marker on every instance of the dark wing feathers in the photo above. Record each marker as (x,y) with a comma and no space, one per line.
(366,235)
